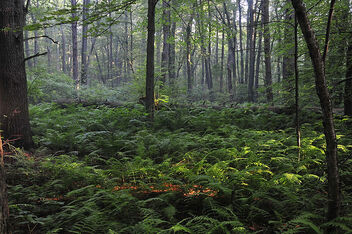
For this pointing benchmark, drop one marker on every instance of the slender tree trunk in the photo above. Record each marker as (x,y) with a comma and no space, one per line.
(257,68)
(48,49)
(166,45)
(288,57)
(150,59)
(298,127)
(84,67)
(172,53)
(101,75)
(348,84)
(267,51)
(251,47)
(222,62)
(241,77)
(229,74)
(74,47)
(210,75)
(334,202)
(27,49)
(189,56)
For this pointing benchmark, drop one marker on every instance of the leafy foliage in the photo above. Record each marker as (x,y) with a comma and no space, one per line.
(101,169)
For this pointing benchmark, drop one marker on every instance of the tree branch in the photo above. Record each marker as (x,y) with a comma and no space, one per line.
(36,55)
(44,36)
(328,26)
(27,6)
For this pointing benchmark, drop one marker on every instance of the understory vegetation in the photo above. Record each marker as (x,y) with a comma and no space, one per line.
(111,170)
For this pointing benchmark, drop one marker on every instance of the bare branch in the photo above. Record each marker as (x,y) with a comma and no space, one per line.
(36,55)
(44,36)
(328,26)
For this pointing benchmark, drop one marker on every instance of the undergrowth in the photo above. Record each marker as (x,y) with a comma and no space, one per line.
(105,170)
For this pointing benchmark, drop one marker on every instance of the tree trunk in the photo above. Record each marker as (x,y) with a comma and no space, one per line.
(334,202)
(222,62)
(251,42)
(84,66)
(74,46)
(241,77)
(348,84)
(14,117)
(257,66)
(4,207)
(189,56)
(150,59)
(267,51)
(27,49)
(166,45)
(288,57)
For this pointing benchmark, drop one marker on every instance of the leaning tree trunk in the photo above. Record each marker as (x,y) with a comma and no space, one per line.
(334,203)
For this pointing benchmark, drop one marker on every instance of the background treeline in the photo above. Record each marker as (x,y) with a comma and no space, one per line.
(220,51)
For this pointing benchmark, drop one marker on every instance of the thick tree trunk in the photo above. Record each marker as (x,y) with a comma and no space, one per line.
(150,59)
(267,51)
(348,84)
(334,203)
(74,47)
(14,117)
(4,208)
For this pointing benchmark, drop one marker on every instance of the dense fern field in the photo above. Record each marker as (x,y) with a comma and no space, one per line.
(236,170)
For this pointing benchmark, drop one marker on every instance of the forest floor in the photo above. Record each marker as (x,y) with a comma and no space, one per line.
(99,169)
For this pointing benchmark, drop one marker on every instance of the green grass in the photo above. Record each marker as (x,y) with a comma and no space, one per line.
(248,157)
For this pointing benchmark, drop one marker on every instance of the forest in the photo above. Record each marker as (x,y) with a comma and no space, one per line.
(174,116)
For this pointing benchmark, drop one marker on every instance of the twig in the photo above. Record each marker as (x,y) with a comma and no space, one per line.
(328,26)
(36,55)
(44,36)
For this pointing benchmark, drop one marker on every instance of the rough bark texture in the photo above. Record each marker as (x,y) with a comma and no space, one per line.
(150,58)
(334,203)
(14,117)
(268,77)
(348,84)
(4,208)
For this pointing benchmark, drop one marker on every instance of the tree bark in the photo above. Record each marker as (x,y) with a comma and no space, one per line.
(14,117)
(334,202)
(189,56)
(150,105)
(348,84)
(267,51)
(74,46)
(241,77)
(166,45)
(84,67)
(288,57)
